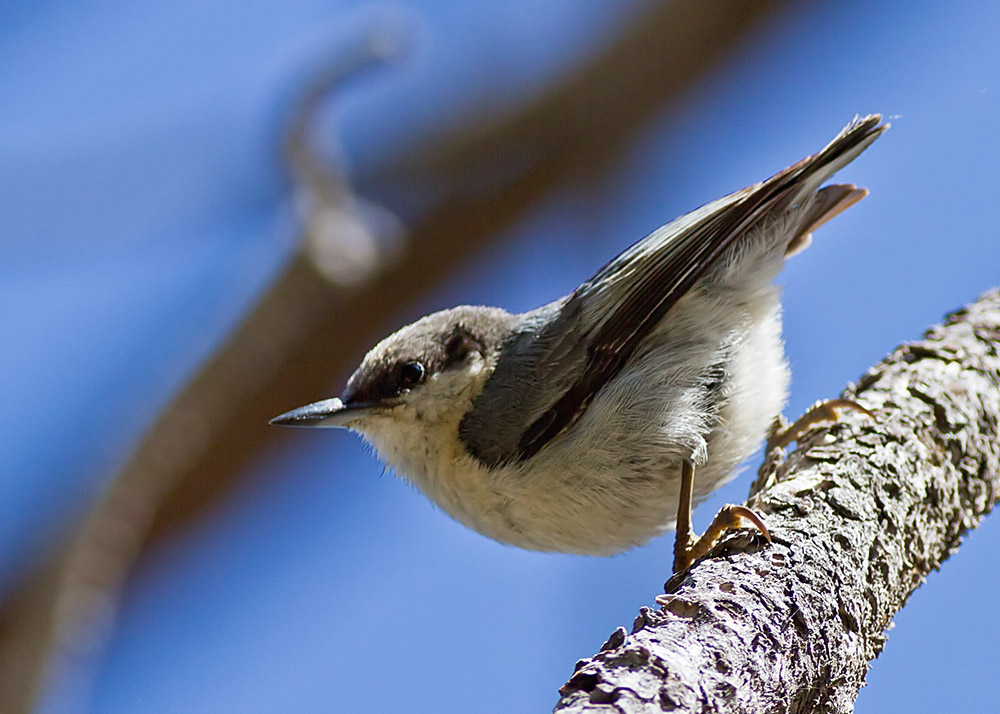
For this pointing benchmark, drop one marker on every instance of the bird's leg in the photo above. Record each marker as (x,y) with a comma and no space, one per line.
(687,547)
(684,538)
(820,413)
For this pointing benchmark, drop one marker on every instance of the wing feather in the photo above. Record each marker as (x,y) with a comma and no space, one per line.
(585,340)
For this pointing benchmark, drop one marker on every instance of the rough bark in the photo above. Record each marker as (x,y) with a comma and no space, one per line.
(860,513)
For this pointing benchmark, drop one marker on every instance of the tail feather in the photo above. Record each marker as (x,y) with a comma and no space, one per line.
(826,204)
(812,171)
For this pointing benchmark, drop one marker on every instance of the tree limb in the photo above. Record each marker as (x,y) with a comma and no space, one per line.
(860,513)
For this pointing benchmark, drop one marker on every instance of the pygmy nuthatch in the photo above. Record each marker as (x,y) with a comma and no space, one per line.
(581,425)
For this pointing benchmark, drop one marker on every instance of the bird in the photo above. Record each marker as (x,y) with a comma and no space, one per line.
(593,423)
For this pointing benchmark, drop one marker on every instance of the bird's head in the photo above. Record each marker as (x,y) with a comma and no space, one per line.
(421,378)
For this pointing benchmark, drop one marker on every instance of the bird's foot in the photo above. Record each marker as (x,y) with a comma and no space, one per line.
(820,413)
(688,547)
(729,518)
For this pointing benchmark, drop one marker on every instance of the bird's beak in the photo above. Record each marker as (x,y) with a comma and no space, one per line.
(329,413)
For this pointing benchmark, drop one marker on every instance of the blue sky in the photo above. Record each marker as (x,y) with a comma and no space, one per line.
(143,209)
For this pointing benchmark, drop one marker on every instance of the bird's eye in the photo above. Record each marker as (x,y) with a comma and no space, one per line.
(411,374)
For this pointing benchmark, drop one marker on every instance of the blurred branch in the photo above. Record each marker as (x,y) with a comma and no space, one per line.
(296,339)
(859,520)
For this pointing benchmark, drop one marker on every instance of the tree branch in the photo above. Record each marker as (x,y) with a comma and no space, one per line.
(860,514)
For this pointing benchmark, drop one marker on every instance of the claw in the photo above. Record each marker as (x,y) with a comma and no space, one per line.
(820,413)
(742,512)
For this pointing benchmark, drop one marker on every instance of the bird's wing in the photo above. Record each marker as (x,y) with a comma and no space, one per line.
(547,376)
